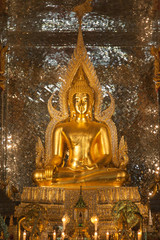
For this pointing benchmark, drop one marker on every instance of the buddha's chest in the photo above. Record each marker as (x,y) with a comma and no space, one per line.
(81,135)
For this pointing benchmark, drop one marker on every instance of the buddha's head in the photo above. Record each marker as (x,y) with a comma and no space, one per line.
(80,96)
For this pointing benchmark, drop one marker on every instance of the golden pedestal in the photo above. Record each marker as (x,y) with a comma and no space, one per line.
(100,201)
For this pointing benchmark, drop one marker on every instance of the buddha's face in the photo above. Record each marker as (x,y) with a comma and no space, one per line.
(81,102)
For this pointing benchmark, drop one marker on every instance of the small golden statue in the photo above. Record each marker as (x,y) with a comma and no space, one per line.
(81,147)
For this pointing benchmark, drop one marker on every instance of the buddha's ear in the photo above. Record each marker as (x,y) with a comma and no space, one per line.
(91,104)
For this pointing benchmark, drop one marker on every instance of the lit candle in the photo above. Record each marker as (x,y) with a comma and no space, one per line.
(139,235)
(64,223)
(24,235)
(150,222)
(54,235)
(116,236)
(107,235)
(95,235)
(96,221)
(63,235)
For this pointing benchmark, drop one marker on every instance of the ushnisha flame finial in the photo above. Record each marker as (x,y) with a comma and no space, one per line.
(80,11)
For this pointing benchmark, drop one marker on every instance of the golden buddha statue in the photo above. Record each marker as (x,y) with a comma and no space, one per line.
(81,145)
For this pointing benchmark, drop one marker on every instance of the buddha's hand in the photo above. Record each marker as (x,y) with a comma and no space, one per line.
(52,167)
(49,171)
(91,167)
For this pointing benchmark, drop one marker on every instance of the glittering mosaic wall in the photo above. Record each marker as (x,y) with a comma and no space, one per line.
(41,36)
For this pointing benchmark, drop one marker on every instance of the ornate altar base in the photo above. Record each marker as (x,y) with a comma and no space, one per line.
(100,201)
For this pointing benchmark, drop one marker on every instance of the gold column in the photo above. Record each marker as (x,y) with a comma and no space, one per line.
(3,51)
(156,53)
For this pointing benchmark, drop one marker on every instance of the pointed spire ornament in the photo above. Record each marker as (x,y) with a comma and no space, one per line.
(81,9)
